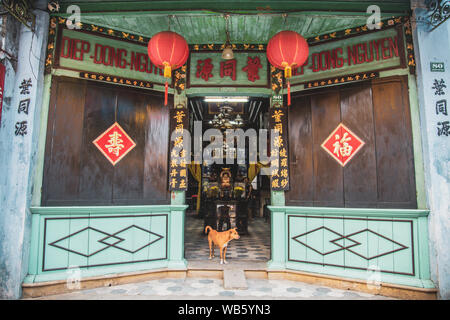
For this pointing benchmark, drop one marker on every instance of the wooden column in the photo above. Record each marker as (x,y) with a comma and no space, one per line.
(177,218)
(277,220)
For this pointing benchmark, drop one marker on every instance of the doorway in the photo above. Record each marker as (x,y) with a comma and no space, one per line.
(231,193)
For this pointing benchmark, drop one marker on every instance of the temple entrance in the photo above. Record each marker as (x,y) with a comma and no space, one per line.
(228,191)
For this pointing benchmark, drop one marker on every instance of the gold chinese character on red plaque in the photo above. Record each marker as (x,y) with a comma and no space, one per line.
(342,144)
(114,143)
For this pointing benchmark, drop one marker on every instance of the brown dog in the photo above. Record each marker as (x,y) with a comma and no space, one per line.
(220,239)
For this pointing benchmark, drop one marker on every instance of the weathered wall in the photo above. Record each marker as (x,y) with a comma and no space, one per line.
(9,43)
(434,46)
(17,152)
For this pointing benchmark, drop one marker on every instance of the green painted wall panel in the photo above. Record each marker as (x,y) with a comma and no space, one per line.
(351,259)
(403,259)
(143,239)
(297,251)
(54,257)
(159,225)
(314,239)
(110,226)
(385,240)
(78,244)
(337,225)
(279,234)
(378,245)
(124,237)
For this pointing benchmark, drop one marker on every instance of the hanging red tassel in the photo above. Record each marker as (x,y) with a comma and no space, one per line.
(166,93)
(289,92)
(167,74)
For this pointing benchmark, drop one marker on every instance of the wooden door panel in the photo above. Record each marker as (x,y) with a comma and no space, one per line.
(395,163)
(77,173)
(129,172)
(326,116)
(96,173)
(156,150)
(62,150)
(360,174)
(300,153)
(381,174)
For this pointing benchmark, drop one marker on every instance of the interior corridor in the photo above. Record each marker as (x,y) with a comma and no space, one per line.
(252,246)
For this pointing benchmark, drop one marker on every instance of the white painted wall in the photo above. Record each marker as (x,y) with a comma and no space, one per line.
(434,46)
(17,153)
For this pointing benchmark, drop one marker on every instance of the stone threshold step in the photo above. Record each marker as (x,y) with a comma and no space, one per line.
(238,264)
(234,279)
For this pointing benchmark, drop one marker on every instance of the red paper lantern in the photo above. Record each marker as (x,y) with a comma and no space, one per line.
(287,50)
(168,50)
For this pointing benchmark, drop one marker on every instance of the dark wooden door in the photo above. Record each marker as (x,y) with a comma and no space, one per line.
(381,174)
(77,173)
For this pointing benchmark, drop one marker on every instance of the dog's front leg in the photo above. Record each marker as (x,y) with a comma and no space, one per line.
(211,249)
(221,254)
(225,254)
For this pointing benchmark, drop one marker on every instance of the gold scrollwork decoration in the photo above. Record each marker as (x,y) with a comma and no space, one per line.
(22,11)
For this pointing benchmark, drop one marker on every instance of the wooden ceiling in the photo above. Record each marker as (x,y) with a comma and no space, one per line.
(202,22)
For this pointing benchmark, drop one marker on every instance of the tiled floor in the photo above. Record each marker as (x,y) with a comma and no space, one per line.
(253,246)
(196,288)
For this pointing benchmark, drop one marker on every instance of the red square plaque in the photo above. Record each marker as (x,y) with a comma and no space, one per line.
(114,143)
(342,144)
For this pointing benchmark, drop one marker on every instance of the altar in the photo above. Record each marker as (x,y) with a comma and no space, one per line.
(224,202)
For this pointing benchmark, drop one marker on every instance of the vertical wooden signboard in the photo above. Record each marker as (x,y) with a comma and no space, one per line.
(179,150)
(279,147)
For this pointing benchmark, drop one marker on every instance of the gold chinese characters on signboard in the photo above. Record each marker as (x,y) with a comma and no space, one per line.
(279,149)
(178,152)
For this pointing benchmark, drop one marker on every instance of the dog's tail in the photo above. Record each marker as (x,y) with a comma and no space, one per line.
(206,229)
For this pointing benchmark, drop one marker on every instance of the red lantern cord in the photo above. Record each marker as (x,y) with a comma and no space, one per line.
(167,74)
(289,92)
(166,93)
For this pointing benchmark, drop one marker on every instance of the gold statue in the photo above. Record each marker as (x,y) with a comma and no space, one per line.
(225,178)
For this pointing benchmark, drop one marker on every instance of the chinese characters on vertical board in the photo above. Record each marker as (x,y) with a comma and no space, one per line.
(279,148)
(178,149)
